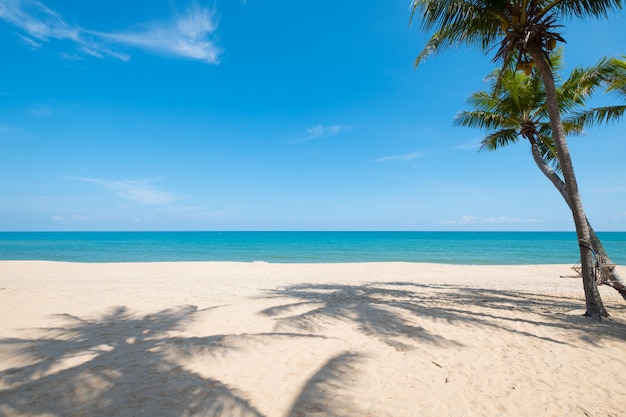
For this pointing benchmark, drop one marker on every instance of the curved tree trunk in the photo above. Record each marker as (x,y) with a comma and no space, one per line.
(593,300)
(615,279)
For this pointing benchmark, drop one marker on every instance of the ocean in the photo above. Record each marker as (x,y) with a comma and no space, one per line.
(479,248)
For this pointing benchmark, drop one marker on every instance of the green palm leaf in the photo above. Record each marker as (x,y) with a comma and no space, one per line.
(514,106)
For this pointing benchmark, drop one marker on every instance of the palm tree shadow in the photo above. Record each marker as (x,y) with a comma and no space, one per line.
(116,365)
(124,365)
(322,396)
(377,311)
(388,311)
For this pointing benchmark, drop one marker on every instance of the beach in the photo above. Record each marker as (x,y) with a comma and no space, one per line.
(342,339)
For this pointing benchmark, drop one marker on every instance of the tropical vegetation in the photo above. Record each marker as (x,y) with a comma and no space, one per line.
(514,108)
(524,32)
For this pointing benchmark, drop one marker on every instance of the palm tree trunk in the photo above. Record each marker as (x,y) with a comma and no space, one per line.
(615,279)
(593,300)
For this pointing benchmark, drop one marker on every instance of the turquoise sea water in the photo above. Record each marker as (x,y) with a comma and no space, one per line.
(308,247)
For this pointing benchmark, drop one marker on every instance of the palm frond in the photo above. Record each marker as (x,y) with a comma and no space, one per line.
(514,106)
(499,139)
(483,120)
(597,116)
(587,8)
(455,22)
(616,80)
(482,100)
(572,128)
(548,150)
(583,82)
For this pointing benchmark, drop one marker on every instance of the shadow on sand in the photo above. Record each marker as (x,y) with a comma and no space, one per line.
(123,365)
(387,310)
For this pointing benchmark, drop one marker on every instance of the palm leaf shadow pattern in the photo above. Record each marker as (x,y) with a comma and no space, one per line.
(321,395)
(379,310)
(121,365)
(404,314)
(95,367)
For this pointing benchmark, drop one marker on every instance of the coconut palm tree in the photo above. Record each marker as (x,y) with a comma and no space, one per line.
(514,108)
(524,32)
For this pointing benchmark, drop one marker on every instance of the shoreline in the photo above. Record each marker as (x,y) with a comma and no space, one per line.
(261,262)
(267,339)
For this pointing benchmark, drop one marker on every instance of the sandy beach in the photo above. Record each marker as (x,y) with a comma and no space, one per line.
(258,339)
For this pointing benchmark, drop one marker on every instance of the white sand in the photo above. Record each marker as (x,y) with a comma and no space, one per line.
(257,339)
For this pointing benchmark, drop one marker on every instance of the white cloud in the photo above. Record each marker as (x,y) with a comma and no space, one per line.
(475,145)
(138,191)
(71,57)
(320,131)
(619,216)
(41,110)
(38,21)
(188,35)
(74,218)
(467,219)
(504,219)
(29,41)
(7,131)
(404,157)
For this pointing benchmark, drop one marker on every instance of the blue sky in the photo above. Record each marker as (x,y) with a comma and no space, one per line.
(268,115)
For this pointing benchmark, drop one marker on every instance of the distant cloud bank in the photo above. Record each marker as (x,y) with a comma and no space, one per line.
(187,35)
(489,220)
(74,218)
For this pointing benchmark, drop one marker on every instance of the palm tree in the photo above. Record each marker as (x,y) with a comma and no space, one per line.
(514,108)
(524,31)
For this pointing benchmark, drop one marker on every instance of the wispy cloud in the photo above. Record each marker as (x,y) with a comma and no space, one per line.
(187,35)
(320,131)
(141,192)
(29,41)
(7,131)
(41,110)
(467,219)
(403,157)
(72,57)
(469,146)
(619,216)
(37,20)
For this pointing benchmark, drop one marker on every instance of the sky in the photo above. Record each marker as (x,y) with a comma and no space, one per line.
(269,115)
